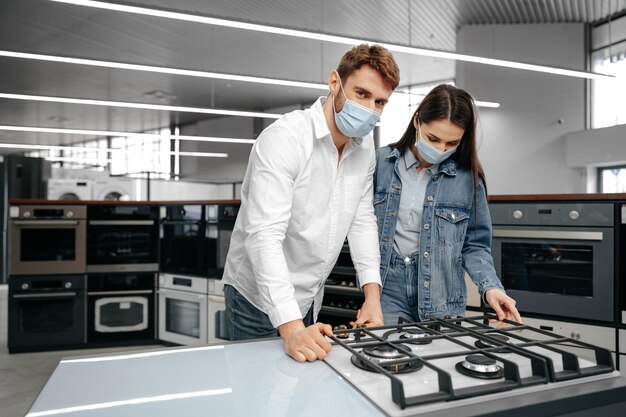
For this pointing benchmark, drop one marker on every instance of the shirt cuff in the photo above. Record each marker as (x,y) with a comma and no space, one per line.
(369,276)
(284,312)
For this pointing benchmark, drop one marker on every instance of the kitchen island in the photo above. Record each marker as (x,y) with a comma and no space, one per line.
(258,379)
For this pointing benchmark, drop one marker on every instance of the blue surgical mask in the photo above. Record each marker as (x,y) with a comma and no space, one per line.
(355,120)
(431,154)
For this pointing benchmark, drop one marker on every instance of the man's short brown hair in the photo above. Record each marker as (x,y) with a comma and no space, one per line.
(376,57)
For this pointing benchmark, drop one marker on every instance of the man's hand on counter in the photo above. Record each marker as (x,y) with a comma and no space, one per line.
(370,314)
(305,343)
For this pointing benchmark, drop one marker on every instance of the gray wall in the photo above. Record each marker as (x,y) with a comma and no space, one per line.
(522,144)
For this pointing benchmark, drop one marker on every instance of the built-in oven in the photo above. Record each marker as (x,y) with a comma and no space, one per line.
(183,309)
(121,307)
(47,239)
(620,253)
(46,312)
(184,244)
(557,259)
(122,238)
(218,325)
(220,223)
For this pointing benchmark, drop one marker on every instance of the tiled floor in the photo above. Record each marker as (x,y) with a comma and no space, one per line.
(23,375)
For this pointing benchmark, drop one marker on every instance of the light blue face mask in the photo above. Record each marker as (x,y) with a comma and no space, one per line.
(431,154)
(354,120)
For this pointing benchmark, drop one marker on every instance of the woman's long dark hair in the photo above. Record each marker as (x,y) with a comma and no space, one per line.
(446,102)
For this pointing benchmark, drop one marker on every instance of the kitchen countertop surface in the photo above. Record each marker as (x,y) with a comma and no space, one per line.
(239,379)
(258,379)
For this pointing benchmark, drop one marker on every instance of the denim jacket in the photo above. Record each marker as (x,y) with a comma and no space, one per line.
(455,234)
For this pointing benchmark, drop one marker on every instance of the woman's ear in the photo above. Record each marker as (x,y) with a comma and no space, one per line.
(416,120)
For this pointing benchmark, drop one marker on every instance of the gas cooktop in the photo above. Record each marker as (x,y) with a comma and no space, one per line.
(449,361)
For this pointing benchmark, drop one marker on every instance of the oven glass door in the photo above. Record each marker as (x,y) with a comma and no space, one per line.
(42,246)
(559,272)
(182,317)
(184,248)
(218,242)
(122,242)
(121,314)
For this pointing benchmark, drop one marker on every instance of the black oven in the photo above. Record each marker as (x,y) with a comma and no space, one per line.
(556,258)
(121,307)
(47,240)
(620,253)
(46,312)
(122,238)
(220,223)
(184,246)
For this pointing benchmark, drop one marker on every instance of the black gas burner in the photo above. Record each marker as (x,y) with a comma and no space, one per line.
(480,366)
(485,344)
(382,355)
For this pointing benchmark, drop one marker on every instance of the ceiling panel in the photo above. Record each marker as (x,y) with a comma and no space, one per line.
(40,26)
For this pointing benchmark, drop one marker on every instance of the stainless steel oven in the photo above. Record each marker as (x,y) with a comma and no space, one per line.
(47,239)
(46,312)
(121,307)
(122,238)
(557,258)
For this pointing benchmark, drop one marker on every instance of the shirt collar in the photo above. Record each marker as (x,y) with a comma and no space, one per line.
(319,121)
(411,161)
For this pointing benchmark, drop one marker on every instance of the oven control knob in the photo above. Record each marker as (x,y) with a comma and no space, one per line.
(26,214)
(574,215)
(575,335)
(25,286)
(517,214)
(70,214)
(68,285)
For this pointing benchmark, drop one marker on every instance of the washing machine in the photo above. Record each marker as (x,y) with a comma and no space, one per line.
(113,188)
(69,189)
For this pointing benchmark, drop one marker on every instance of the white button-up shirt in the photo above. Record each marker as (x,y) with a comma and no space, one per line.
(298,203)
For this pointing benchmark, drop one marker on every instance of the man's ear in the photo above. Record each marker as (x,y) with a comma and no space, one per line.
(333,82)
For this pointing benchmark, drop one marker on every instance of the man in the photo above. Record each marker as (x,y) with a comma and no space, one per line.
(307,186)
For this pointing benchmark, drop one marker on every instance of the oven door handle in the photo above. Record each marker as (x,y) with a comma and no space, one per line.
(121,292)
(548,234)
(46,295)
(121,222)
(45,222)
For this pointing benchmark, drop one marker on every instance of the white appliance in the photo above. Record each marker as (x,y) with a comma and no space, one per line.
(69,189)
(183,309)
(217,324)
(114,188)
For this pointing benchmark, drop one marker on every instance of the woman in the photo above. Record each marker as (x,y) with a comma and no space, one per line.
(430,200)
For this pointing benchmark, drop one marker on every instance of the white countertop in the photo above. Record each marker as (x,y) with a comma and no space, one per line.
(239,379)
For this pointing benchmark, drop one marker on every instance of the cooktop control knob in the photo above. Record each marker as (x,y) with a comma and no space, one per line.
(25,286)
(517,214)
(574,215)
(70,214)
(68,285)
(575,335)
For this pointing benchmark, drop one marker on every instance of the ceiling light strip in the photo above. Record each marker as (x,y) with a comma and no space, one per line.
(33,129)
(143,106)
(331,38)
(92,149)
(162,70)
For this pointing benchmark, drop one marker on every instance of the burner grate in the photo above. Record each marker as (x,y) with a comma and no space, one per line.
(496,346)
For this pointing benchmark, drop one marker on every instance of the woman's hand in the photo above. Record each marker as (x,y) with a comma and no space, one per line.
(503,305)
